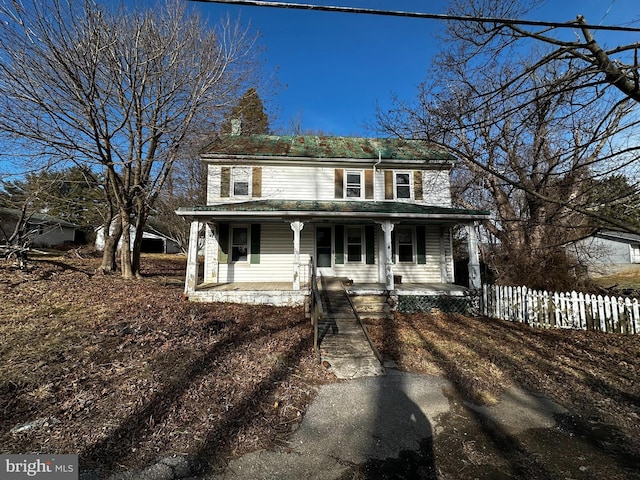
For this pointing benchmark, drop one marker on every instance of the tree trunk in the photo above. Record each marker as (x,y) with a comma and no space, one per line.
(125,251)
(141,221)
(111,240)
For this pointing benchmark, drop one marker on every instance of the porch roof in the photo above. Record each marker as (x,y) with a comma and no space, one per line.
(337,209)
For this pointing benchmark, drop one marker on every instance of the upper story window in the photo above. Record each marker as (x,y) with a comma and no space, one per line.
(403,184)
(354,184)
(240,180)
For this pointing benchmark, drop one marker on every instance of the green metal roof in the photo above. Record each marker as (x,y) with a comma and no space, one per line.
(312,207)
(311,146)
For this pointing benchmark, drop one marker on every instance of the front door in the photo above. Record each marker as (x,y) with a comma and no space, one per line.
(324,251)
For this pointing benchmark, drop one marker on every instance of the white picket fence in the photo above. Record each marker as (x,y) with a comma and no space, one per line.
(561,310)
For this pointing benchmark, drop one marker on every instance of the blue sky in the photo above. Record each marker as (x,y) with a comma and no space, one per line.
(335,67)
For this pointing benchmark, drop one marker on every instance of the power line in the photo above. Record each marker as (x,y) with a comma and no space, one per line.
(430,16)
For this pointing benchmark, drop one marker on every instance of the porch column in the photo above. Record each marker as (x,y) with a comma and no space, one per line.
(211,252)
(297,227)
(474,257)
(444,237)
(192,258)
(387,228)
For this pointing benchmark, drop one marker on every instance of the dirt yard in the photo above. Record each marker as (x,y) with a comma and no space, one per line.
(595,376)
(124,373)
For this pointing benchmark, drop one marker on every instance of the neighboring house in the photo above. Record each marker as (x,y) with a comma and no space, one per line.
(374,211)
(608,252)
(151,242)
(42,230)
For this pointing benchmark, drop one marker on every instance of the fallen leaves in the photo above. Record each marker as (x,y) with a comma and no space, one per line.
(134,374)
(593,374)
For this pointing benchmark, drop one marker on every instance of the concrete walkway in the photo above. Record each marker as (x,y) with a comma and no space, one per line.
(398,418)
(344,346)
(349,423)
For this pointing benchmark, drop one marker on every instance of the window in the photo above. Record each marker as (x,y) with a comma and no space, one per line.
(239,244)
(635,253)
(354,184)
(404,240)
(354,244)
(240,181)
(403,185)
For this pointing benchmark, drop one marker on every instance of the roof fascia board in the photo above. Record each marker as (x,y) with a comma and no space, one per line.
(216,158)
(621,237)
(351,215)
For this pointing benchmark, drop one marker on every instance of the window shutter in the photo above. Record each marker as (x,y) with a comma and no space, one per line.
(417,185)
(370,244)
(255,243)
(368,184)
(421,244)
(339,183)
(223,241)
(256,182)
(225,181)
(339,232)
(388,184)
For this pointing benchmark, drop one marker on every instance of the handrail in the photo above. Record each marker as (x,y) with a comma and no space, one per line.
(376,352)
(315,306)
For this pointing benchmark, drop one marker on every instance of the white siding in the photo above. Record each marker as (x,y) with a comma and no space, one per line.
(213,184)
(358,272)
(436,187)
(309,182)
(603,251)
(298,183)
(276,257)
(429,273)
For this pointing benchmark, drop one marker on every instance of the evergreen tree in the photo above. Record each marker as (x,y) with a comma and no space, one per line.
(250,112)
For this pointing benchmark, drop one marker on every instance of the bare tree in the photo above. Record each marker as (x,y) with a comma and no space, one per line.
(187,185)
(536,142)
(592,74)
(117,89)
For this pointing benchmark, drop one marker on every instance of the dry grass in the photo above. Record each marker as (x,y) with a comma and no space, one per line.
(596,375)
(627,283)
(126,372)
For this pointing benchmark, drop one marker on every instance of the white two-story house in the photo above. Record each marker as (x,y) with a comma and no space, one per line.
(377,212)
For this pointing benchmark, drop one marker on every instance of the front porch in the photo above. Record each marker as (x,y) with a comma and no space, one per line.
(285,294)
(266,241)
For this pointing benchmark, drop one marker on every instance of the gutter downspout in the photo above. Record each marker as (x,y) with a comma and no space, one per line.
(374,174)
